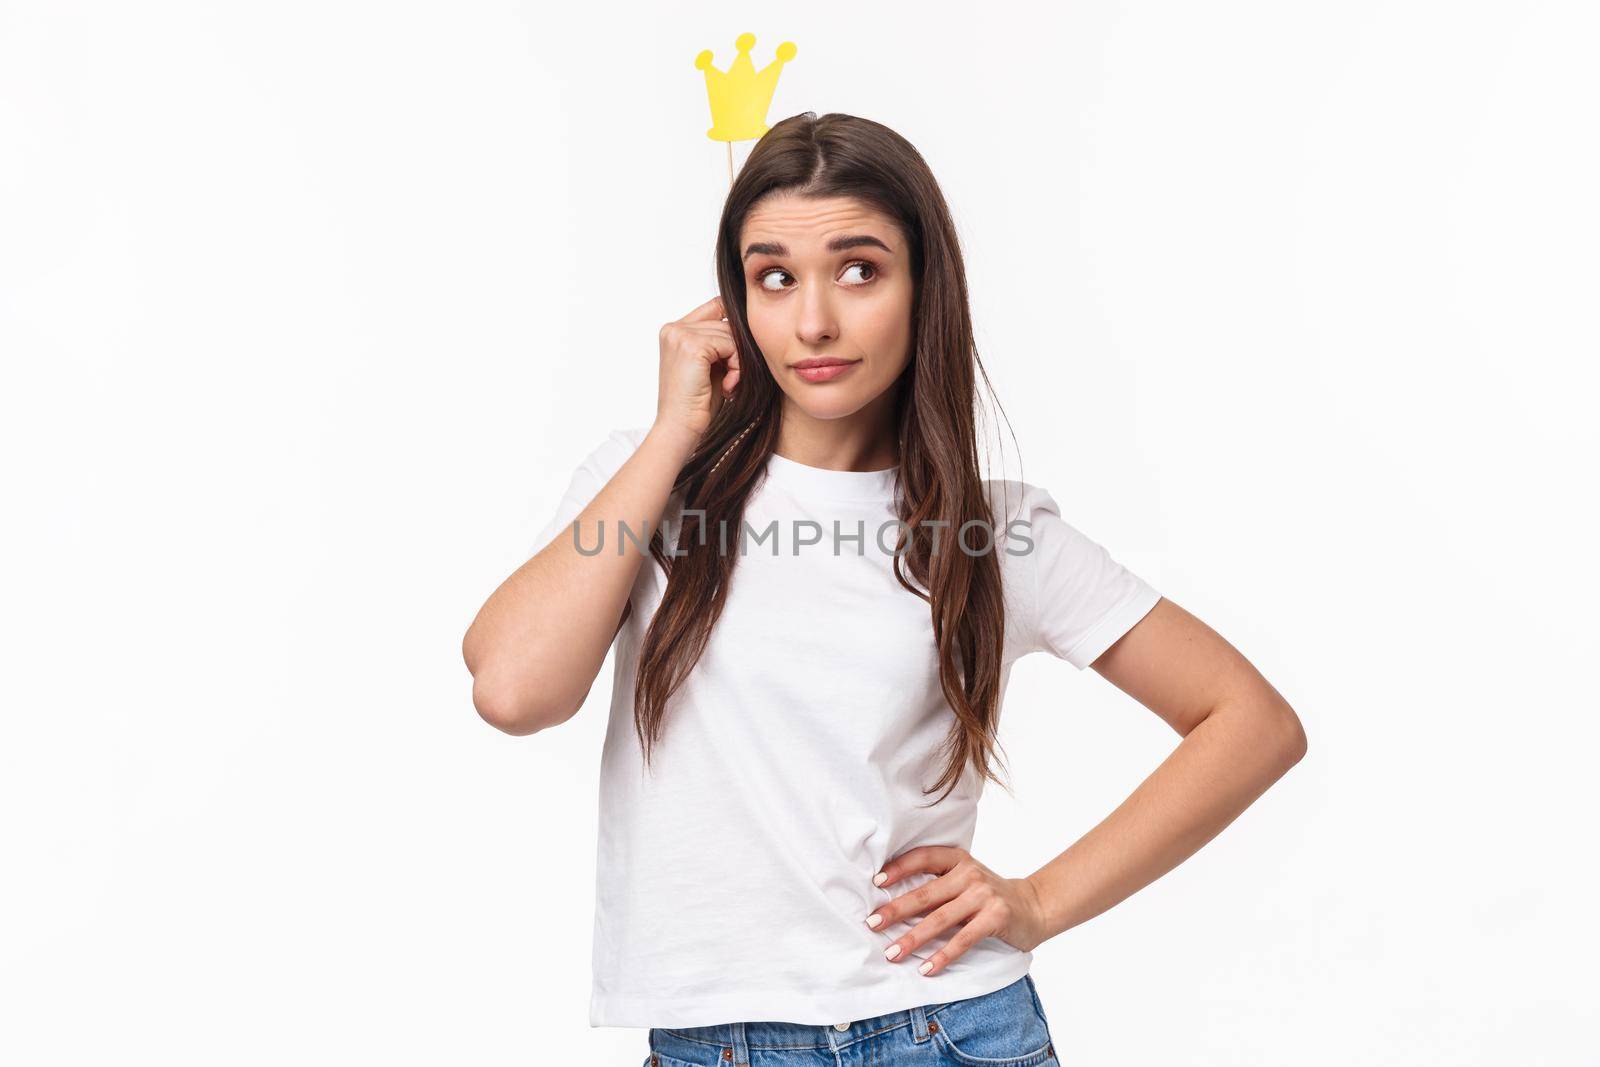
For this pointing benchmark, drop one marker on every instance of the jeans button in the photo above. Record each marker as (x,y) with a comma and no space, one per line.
(841,1027)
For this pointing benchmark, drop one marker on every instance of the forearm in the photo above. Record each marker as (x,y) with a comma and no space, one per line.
(538,641)
(1218,770)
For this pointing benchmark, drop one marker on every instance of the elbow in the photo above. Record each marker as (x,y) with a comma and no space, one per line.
(1290,735)
(507,710)
(497,702)
(513,695)
(495,707)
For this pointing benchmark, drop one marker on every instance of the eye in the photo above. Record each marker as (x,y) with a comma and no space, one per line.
(860,264)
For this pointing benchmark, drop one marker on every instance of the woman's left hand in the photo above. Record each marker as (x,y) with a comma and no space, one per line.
(965,891)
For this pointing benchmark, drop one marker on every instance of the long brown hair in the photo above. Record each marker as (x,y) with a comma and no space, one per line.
(934,403)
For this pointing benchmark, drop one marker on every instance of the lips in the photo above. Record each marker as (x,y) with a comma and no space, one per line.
(823,369)
(821,361)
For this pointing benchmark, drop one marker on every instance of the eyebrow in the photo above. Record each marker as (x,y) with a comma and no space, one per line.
(838,244)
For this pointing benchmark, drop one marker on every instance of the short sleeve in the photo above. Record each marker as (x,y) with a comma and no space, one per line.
(597,468)
(1084,600)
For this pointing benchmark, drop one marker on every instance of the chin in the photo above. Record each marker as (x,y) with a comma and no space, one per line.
(836,405)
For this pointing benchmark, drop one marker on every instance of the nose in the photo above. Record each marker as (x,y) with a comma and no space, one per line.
(818,323)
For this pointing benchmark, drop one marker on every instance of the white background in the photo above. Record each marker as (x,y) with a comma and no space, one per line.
(308,310)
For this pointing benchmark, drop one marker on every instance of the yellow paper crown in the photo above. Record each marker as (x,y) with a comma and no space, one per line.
(740,95)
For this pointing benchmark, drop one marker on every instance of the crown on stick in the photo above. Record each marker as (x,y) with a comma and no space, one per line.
(741,95)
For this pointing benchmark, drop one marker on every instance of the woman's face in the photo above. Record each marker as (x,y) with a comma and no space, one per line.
(827,279)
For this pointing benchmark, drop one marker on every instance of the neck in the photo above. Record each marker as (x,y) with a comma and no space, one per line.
(864,440)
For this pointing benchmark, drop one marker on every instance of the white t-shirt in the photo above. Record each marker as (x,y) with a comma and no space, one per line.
(734,880)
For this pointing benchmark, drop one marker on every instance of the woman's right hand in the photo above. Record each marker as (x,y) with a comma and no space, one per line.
(699,369)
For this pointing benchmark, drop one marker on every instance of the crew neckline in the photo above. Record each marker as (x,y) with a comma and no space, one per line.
(836,485)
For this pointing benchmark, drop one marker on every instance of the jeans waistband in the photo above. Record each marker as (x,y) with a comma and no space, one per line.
(730,1044)
(740,1038)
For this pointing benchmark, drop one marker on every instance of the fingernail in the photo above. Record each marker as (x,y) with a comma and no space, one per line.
(926,967)
(879,878)
(874,920)
(891,952)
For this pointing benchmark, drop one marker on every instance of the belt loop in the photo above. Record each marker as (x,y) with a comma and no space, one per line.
(741,1046)
(919,1024)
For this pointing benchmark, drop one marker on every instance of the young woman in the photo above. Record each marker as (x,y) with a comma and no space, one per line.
(819,642)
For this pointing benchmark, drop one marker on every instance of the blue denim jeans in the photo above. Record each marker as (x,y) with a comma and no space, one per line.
(1006,1028)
